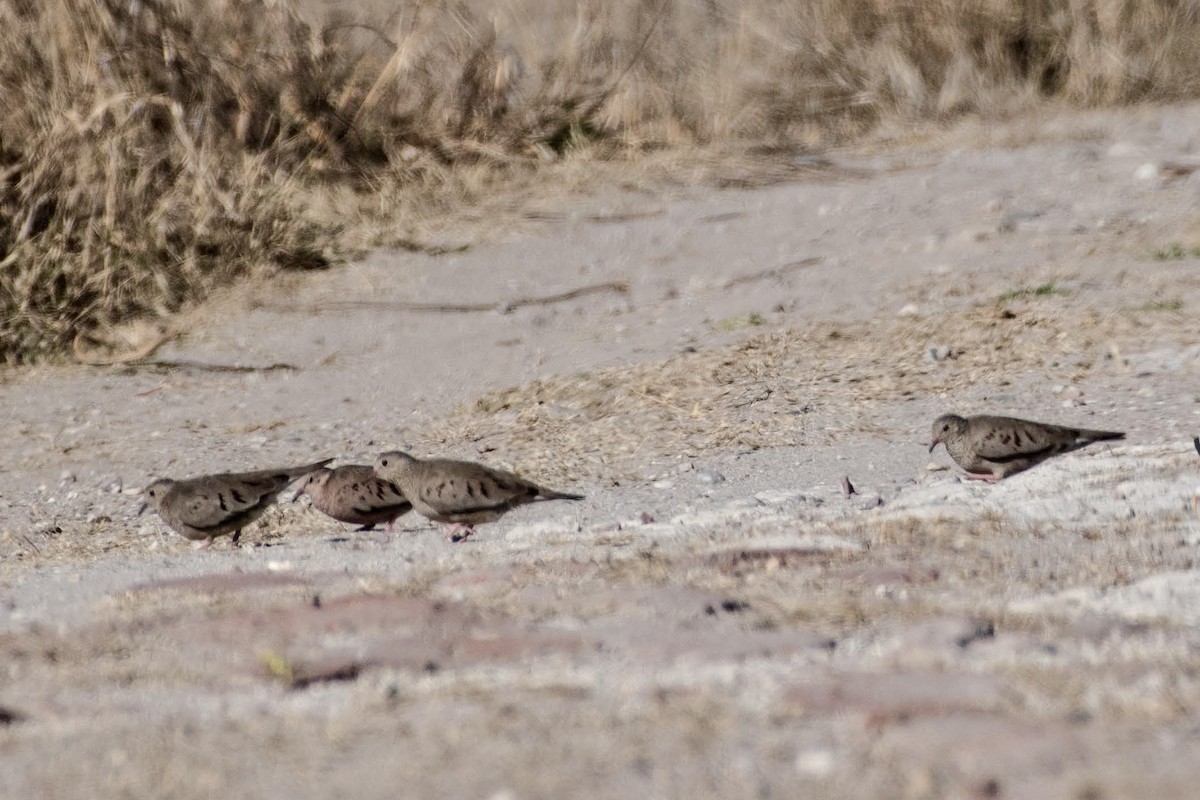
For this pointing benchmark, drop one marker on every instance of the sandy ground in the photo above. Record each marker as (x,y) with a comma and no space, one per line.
(718,618)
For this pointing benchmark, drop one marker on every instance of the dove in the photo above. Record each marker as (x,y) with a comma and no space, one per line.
(990,448)
(204,508)
(463,493)
(354,493)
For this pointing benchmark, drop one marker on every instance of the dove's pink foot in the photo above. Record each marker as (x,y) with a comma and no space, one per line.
(983,476)
(202,545)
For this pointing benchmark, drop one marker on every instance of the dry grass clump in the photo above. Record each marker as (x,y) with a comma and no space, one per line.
(124,189)
(152,150)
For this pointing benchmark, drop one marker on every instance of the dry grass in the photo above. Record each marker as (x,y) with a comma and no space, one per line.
(153,150)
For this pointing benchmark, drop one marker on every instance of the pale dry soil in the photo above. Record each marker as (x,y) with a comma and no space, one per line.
(718,618)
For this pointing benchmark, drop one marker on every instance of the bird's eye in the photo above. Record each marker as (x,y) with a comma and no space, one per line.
(945,428)
(383,462)
(151,493)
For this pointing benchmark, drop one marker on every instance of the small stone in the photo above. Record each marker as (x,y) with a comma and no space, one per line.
(1146,172)
(709,476)
(1014,220)
(817,762)
(933,466)
(920,784)
(909,310)
(67,476)
(938,352)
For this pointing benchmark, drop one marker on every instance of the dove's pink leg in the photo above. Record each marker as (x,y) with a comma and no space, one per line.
(202,545)
(983,476)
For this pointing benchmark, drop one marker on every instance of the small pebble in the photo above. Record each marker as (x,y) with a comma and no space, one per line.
(818,762)
(1146,172)
(938,352)
(709,476)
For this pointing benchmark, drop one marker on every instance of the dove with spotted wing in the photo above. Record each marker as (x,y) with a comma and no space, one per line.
(990,448)
(209,506)
(354,493)
(462,493)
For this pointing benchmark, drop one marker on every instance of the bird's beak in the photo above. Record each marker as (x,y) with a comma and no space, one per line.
(936,441)
(142,509)
(299,493)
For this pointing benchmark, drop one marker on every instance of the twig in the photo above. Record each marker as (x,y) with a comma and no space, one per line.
(774,272)
(197,365)
(79,349)
(616,287)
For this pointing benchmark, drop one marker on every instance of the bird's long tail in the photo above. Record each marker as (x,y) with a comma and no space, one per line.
(550,494)
(1099,436)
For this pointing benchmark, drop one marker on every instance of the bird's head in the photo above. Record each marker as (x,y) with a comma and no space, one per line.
(947,427)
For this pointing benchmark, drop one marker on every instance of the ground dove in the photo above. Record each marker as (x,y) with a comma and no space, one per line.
(354,493)
(213,505)
(460,492)
(990,448)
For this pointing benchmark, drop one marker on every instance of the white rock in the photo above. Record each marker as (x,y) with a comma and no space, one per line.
(1146,172)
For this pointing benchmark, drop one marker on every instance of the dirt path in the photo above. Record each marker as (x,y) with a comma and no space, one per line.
(717,619)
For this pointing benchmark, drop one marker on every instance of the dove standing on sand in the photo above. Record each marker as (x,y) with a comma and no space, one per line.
(460,492)
(990,448)
(354,493)
(204,508)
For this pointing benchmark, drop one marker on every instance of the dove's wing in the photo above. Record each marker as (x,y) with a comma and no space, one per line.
(1007,438)
(225,502)
(461,487)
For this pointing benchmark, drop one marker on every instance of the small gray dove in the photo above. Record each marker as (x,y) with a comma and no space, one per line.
(460,492)
(990,448)
(204,508)
(354,493)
